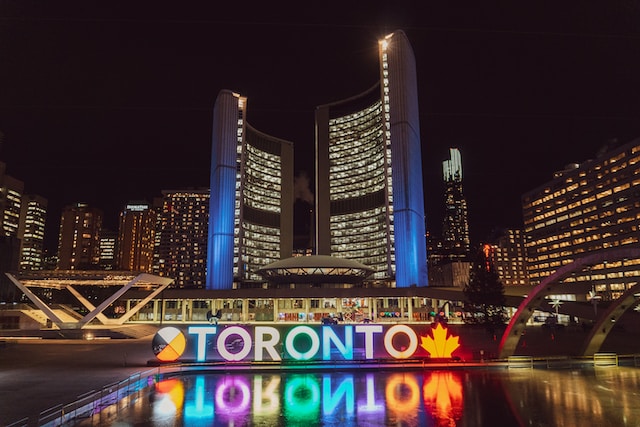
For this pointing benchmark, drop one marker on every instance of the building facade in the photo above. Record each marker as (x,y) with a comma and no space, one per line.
(369,198)
(11,192)
(455,226)
(508,256)
(79,238)
(587,207)
(33,216)
(136,237)
(182,237)
(108,248)
(251,212)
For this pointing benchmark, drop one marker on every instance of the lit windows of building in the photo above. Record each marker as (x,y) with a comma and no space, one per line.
(182,237)
(33,215)
(455,227)
(369,198)
(108,244)
(79,238)
(587,207)
(251,221)
(507,254)
(136,237)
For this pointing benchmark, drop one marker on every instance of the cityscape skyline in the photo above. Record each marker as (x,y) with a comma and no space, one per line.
(521,93)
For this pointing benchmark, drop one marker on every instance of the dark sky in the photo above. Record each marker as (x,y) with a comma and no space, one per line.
(112,101)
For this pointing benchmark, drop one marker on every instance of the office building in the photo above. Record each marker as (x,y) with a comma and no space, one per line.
(136,237)
(182,237)
(455,227)
(79,238)
(251,212)
(33,215)
(585,208)
(369,197)
(507,254)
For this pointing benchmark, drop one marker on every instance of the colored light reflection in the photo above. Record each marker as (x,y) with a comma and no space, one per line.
(198,407)
(442,392)
(170,398)
(402,394)
(233,397)
(302,399)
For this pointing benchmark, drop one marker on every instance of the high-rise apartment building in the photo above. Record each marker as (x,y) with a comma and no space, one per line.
(251,212)
(182,237)
(507,254)
(136,237)
(33,215)
(369,197)
(79,238)
(455,227)
(585,208)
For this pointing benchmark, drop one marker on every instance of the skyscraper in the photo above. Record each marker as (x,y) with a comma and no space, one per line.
(79,238)
(33,215)
(136,237)
(182,237)
(369,196)
(251,212)
(108,244)
(455,228)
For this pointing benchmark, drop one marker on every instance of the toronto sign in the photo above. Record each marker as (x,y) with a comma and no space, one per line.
(278,343)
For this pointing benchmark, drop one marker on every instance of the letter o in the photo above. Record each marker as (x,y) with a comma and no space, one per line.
(246,343)
(315,342)
(401,329)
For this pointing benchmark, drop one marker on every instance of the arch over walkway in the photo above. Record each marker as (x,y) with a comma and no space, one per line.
(516,326)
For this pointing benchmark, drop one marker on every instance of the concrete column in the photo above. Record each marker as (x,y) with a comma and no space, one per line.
(156,316)
(183,309)
(245,310)
(410,308)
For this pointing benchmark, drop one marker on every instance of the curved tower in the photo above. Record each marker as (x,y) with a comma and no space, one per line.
(369,197)
(251,205)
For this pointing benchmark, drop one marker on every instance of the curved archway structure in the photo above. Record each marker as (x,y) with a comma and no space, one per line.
(516,326)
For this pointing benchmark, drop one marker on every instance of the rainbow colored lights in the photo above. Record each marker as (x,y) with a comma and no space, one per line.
(245,343)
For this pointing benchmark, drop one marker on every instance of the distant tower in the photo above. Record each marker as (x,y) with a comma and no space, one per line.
(136,237)
(33,215)
(455,228)
(369,195)
(251,221)
(79,238)
(182,238)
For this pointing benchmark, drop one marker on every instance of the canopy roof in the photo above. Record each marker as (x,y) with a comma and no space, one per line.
(315,269)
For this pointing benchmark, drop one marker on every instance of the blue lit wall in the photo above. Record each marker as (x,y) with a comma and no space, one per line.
(406,158)
(220,247)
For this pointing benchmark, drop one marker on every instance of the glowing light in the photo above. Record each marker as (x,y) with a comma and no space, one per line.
(302,399)
(443,397)
(440,345)
(402,394)
(268,394)
(196,408)
(345,390)
(346,348)
(233,396)
(409,350)
(245,340)
(169,344)
(171,396)
(302,330)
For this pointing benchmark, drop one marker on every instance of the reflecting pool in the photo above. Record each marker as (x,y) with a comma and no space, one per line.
(460,397)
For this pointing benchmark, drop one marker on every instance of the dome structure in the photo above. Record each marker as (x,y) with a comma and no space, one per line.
(315,269)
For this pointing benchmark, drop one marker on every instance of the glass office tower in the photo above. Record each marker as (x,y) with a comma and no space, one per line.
(251,211)
(369,196)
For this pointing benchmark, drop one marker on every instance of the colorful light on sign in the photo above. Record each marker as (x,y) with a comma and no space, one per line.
(236,343)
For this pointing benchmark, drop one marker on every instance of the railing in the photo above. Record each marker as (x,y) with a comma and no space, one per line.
(605,359)
(520,362)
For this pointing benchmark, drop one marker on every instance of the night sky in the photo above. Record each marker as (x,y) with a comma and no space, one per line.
(111,102)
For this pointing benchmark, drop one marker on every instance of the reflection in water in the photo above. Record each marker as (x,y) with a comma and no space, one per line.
(607,397)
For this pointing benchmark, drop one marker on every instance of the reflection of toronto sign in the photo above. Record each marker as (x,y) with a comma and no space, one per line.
(302,342)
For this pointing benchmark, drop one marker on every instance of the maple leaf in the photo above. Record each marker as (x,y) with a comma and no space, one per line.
(440,345)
